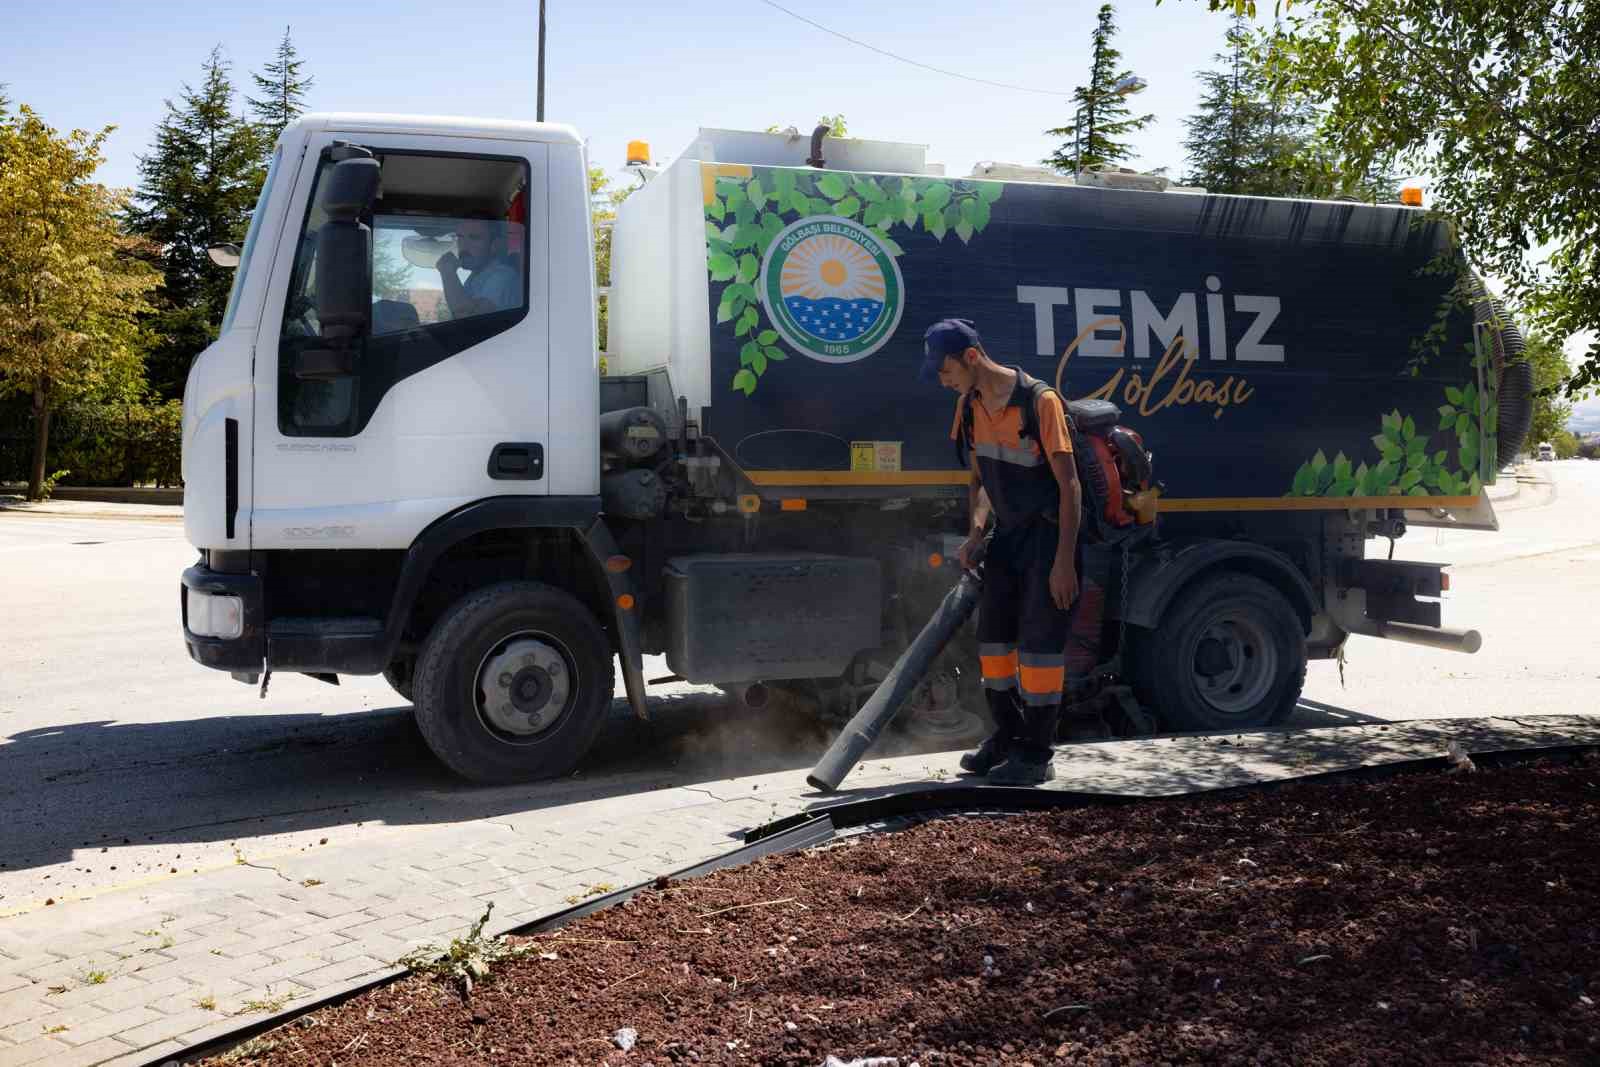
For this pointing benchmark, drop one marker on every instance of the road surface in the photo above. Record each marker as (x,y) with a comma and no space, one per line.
(122,763)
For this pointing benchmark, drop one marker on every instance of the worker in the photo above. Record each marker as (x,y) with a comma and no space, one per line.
(1011,431)
(493,284)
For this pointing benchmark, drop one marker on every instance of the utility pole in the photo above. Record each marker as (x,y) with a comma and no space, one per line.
(539,112)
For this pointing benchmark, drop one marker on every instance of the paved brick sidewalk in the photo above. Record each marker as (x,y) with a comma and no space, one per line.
(137,975)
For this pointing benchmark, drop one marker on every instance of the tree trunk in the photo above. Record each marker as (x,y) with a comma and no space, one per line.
(41,437)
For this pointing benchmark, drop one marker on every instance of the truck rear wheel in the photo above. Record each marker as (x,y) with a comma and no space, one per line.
(1228,654)
(513,683)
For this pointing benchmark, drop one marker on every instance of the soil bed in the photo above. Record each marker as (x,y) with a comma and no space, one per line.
(1425,918)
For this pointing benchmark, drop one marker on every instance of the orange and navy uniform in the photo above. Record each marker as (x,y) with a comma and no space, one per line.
(1021,632)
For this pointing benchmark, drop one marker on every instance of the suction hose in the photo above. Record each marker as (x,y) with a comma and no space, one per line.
(1510,364)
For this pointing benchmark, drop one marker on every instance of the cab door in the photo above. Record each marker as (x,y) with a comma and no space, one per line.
(441,399)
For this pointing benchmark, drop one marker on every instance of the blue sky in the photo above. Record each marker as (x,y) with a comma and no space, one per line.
(625,70)
(629,69)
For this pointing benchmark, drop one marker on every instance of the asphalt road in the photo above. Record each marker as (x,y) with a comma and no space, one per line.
(122,763)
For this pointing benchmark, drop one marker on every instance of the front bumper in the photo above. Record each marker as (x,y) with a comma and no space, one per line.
(245,653)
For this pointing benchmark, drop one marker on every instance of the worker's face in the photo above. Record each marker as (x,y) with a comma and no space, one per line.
(956,372)
(475,243)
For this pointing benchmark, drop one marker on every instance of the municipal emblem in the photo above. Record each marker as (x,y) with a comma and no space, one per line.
(831,289)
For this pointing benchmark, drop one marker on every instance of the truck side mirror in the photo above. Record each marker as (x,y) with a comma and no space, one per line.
(344,281)
(344,250)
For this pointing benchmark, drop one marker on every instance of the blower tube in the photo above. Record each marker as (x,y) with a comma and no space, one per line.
(904,677)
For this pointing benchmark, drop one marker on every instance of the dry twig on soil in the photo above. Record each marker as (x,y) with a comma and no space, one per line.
(741,907)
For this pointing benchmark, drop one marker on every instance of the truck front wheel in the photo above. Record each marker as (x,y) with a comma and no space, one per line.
(513,682)
(1228,654)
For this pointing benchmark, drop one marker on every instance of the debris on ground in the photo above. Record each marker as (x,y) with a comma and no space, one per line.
(1417,918)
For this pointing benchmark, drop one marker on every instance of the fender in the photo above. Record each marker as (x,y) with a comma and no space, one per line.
(1154,582)
(577,513)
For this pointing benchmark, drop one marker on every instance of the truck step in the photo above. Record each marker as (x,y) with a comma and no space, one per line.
(324,626)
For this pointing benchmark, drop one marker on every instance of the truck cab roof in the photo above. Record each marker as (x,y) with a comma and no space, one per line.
(437,125)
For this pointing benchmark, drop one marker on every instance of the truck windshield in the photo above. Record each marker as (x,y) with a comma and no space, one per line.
(245,254)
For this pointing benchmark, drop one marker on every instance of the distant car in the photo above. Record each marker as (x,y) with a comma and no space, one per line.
(1547,452)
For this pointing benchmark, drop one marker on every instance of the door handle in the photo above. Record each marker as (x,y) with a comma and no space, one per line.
(517,461)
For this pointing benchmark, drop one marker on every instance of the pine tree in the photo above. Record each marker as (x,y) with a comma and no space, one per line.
(1255,135)
(1104,115)
(1225,135)
(196,190)
(283,89)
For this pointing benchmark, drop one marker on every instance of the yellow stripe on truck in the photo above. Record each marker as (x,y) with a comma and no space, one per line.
(779,479)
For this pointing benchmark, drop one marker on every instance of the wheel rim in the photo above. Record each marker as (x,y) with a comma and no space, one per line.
(525,686)
(1233,664)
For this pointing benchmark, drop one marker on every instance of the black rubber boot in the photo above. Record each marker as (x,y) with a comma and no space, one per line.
(1008,730)
(1031,759)
(992,752)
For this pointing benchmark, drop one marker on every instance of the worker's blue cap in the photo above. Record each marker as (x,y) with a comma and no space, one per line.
(946,338)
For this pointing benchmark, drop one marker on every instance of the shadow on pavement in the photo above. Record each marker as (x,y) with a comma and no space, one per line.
(105,783)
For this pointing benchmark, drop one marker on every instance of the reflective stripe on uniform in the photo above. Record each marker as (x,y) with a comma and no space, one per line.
(1021,457)
(999,665)
(1042,675)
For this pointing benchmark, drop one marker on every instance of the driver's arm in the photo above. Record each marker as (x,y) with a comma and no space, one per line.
(455,294)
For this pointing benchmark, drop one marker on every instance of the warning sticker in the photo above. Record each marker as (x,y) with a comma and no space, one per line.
(877,456)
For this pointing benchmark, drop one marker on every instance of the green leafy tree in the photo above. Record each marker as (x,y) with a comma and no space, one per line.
(1551,409)
(282,88)
(196,189)
(1496,102)
(1105,116)
(604,198)
(71,291)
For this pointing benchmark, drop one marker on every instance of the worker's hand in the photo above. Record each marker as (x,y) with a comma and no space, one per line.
(448,263)
(967,554)
(1063,582)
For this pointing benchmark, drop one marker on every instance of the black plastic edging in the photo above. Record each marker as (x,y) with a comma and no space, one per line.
(819,825)
(815,831)
(851,813)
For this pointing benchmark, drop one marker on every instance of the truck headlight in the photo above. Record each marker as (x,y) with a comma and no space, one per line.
(214,615)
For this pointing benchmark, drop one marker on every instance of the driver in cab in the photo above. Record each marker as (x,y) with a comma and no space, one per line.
(493,284)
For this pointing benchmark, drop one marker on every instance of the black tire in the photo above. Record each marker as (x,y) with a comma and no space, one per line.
(1229,654)
(400,675)
(470,737)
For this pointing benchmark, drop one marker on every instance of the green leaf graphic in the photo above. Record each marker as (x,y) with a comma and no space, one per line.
(775,354)
(831,186)
(989,192)
(749,267)
(745,382)
(1319,460)
(868,190)
(748,353)
(936,198)
(1408,429)
(847,207)
(747,322)
(980,214)
(767,337)
(1454,395)
(934,221)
